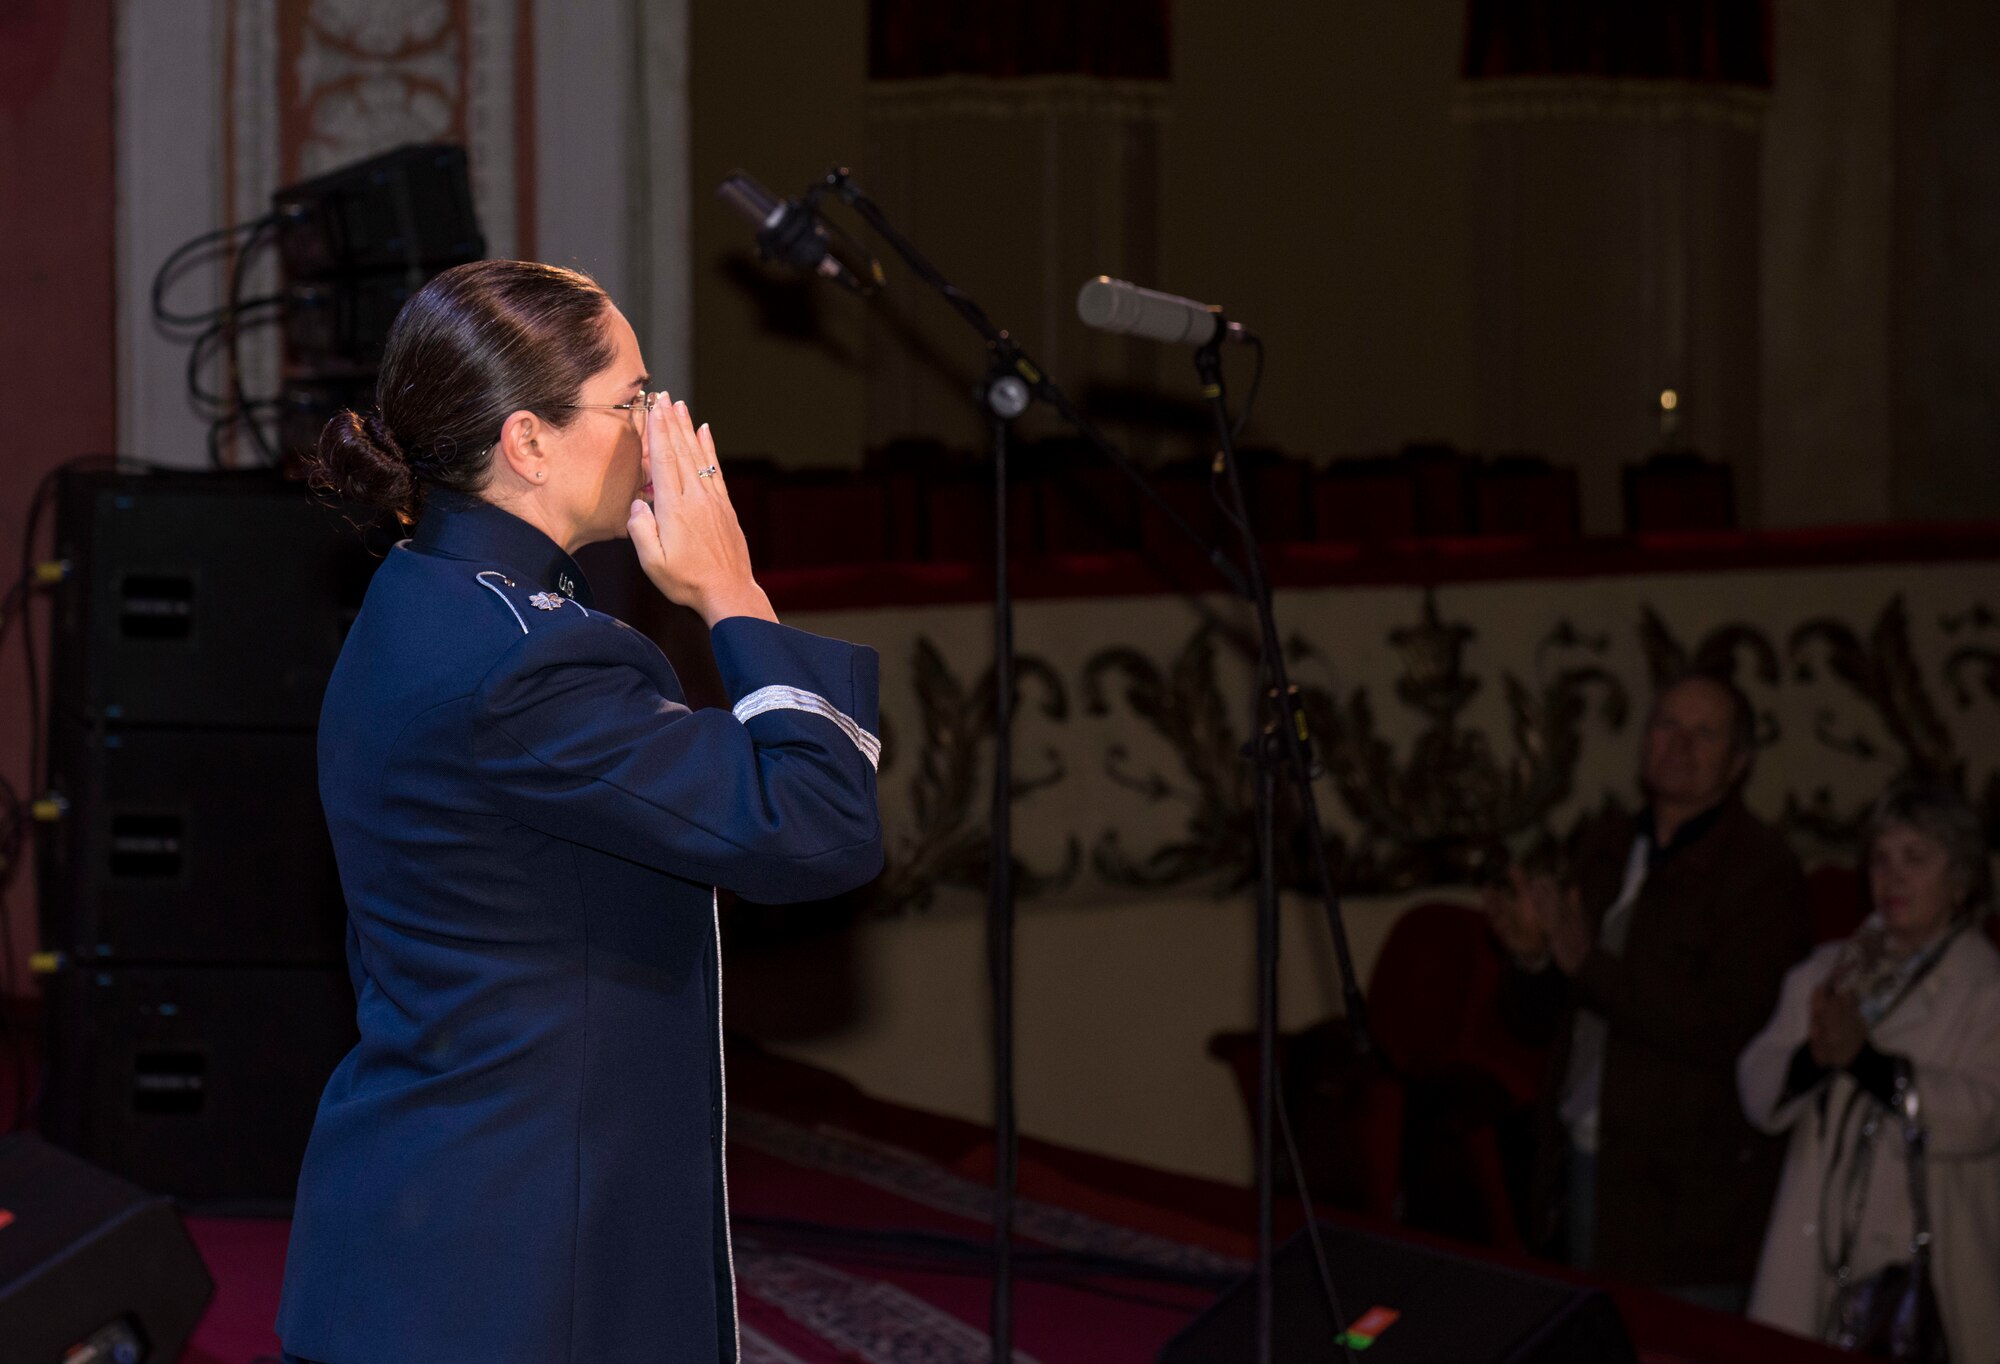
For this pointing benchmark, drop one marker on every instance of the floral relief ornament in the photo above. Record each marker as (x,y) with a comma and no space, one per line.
(372,75)
(381,28)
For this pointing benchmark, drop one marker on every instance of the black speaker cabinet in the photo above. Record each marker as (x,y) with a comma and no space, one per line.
(408,209)
(201,1082)
(188,846)
(1413,1305)
(90,1267)
(201,599)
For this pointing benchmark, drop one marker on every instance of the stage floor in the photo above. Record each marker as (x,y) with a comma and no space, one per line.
(857,1223)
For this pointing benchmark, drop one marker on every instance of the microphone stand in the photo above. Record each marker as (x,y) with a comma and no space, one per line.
(1013,380)
(1279,740)
(1005,398)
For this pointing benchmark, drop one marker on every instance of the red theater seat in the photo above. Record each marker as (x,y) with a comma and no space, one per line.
(813,520)
(1839,901)
(1415,1133)
(1679,491)
(1526,495)
(1368,500)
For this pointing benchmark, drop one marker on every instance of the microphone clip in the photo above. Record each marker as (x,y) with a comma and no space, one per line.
(804,239)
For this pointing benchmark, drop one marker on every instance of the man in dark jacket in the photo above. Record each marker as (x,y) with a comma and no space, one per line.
(1648,973)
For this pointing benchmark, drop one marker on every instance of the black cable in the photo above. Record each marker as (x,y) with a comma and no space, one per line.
(1271,681)
(12,841)
(243,404)
(161,277)
(199,353)
(224,325)
(1256,382)
(1340,1317)
(1215,467)
(22,594)
(223,423)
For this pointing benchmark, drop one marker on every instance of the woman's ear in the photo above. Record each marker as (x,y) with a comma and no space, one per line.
(520,446)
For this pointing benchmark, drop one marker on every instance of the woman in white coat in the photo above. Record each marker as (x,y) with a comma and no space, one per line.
(1916,989)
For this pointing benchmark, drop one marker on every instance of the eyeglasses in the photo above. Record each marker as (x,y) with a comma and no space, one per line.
(636,409)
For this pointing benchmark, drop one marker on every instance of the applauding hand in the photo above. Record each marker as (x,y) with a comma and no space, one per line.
(1557,913)
(1835,1030)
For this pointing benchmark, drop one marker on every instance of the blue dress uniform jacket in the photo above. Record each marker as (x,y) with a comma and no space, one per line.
(522,1160)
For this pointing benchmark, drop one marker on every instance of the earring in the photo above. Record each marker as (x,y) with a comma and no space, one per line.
(541,474)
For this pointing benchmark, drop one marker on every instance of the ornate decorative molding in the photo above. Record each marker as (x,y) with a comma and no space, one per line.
(1441,786)
(1184,704)
(1448,813)
(320,83)
(947,843)
(370,74)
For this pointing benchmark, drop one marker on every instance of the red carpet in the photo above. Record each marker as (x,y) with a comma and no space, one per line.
(247,1258)
(806,1147)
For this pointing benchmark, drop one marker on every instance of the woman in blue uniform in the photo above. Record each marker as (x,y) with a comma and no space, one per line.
(522,1160)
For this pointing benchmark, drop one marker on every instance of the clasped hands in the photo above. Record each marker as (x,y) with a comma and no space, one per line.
(1538,920)
(1835,1030)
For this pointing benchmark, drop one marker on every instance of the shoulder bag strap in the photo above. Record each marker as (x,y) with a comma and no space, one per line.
(1915,1139)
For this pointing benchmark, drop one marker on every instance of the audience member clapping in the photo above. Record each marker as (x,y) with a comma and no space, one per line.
(1647,971)
(1908,1008)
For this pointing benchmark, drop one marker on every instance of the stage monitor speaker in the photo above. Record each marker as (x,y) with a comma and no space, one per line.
(202,599)
(201,1083)
(408,209)
(191,846)
(1408,1304)
(91,1269)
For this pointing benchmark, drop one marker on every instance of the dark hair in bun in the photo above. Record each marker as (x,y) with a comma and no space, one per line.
(477,343)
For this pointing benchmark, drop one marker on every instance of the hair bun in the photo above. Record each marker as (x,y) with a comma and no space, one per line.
(358,460)
(379,432)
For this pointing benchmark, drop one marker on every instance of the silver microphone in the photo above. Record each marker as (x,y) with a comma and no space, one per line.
(1123,308)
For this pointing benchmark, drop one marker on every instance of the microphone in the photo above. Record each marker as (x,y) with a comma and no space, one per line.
(790,233)
(1113,305)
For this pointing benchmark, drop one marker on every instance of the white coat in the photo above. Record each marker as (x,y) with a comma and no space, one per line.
(1949,1029)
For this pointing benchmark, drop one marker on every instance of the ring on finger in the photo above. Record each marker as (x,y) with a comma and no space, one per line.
(704,473)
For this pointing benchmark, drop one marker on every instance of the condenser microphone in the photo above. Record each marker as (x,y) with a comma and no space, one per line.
(1113,305)
(790,233)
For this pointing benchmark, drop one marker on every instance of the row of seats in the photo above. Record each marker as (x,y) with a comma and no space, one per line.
(916,501)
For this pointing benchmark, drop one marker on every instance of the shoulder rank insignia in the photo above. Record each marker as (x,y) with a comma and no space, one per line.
(546,601)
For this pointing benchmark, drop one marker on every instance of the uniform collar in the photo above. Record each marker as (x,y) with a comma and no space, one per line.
(465,526)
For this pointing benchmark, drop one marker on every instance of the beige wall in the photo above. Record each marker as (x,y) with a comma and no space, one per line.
(1945,377)
(774,89)
(1115,1006)
(1316,184)
(1310,179)
(1828,182)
